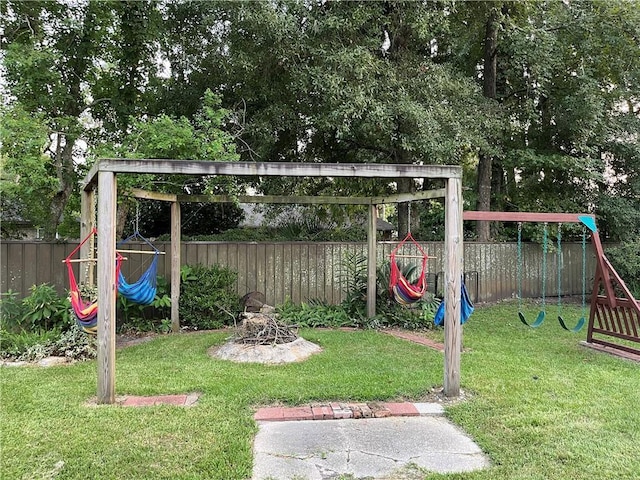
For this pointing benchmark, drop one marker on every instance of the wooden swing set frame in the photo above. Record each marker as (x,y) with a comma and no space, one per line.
(614,312)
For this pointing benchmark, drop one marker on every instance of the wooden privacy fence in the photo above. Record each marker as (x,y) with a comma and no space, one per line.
(301,271)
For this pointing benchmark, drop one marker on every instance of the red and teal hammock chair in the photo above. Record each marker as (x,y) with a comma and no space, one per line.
(400,288)
(143,291)
(85,313)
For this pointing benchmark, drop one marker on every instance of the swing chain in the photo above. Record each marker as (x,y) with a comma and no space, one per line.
(519,267)
(545,235)
(584,270)
(559,268)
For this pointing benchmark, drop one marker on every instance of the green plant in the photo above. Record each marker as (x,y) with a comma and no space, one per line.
(11,310)
(26,345)
(75,344)
(352,274)
(316,314)
(45,309)
(145,318)
(29,346)
(207,297)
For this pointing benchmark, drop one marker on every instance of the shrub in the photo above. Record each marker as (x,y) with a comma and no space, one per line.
(45,309)
(33,346)
(146,318)
(75,344)
(207,297)
(11,311)
(25,344)
(316,314)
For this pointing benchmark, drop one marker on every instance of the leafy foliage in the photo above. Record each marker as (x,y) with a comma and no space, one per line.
(626,260)
(26,345)
(40,325)
(133,317)
(45,310)
(11,311)
(72,344)
(199,138)
(315,314)
(207,297)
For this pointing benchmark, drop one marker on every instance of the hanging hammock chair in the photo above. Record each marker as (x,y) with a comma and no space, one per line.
(85,313)
(143,291)
(401,290)
(466,308)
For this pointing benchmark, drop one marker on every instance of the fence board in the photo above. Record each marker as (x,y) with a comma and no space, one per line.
(302,271)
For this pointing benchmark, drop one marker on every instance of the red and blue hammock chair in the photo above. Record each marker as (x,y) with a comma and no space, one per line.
(85,313)
(143,291)
(404,292)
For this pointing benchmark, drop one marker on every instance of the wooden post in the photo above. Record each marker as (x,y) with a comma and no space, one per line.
(87,222)
(107,192)
(175,267)
(453,285)
(371,261)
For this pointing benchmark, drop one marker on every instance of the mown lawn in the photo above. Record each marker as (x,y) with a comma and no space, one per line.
(541,406)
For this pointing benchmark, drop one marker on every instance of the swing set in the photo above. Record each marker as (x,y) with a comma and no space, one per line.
(559,259)
(614,313)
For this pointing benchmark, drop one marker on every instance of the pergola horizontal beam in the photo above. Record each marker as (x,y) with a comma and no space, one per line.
(289,199)
(276,169)
(524,216)
(147,195)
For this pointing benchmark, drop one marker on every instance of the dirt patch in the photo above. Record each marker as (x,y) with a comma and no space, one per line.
(129,340)
(436,395)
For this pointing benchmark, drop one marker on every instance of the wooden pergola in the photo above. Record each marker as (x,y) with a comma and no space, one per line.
(103,177)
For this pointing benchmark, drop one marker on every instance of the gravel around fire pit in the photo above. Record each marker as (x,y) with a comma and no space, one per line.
(296,351)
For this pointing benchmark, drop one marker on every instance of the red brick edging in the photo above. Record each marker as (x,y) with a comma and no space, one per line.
(334,411)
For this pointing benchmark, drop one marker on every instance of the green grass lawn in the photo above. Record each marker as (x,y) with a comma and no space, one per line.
(541,406)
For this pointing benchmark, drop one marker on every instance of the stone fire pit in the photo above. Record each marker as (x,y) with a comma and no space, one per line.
(261,338)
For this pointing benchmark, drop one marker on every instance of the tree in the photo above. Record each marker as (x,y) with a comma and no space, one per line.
(58,57)
(561,76)
(348,82)
(202,138)
(27,182)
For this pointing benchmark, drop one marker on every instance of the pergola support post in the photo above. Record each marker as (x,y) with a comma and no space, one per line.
(453,286)
(371,261)
(107,287)
(175,266)
(87,223)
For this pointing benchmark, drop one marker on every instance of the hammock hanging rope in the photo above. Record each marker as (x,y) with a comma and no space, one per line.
(402,291)
(143,291)
(85,313)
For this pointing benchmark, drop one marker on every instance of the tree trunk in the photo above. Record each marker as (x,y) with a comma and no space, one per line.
(121,218)
(489,91)
(63,162)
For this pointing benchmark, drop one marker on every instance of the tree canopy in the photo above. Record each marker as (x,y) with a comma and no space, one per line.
(539,101)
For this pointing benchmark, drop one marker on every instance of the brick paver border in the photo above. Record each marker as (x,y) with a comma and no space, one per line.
(336,411)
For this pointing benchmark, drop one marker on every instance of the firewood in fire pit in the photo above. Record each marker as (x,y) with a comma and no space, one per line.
(263,329)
